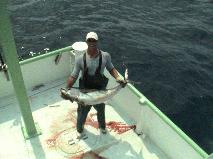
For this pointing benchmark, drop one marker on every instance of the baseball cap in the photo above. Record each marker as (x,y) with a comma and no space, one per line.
(92,35)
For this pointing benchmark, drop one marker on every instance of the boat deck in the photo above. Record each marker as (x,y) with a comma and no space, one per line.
(57,119)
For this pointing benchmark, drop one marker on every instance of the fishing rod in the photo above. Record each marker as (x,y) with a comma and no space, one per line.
(3,67)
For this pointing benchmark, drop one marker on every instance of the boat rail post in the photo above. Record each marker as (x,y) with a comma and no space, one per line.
(29,128)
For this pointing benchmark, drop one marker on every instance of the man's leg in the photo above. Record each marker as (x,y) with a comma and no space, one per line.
(82,112)
(100,108)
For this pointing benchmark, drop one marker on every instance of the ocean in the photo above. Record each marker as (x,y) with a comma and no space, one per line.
(166,45)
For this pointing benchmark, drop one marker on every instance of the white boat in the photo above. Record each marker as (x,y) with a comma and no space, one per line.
(137,129)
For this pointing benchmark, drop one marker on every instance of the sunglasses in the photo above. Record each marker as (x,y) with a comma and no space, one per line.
(91,40)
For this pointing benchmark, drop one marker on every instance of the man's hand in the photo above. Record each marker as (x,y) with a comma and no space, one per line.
(121,81)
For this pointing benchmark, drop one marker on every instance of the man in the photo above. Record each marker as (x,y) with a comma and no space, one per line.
(92,65)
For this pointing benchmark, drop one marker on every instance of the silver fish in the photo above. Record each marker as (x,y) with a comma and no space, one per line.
(91,97)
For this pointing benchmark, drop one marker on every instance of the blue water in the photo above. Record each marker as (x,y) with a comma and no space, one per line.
(167,46)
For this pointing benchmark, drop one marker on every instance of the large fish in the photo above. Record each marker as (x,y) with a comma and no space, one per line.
(91,97)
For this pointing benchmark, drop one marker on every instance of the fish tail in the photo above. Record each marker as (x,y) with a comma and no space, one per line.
(126,73)
(126,76)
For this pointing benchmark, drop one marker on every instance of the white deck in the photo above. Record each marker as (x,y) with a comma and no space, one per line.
(56,119)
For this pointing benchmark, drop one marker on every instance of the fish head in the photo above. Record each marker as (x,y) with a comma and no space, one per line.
(64,94)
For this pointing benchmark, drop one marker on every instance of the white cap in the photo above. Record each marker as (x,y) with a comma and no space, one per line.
(92,35)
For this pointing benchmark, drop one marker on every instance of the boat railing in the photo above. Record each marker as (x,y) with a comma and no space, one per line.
(49,54)
(36,69)
(147,104)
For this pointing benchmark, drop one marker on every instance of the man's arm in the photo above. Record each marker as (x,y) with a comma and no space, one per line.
(71,80)
(114,73)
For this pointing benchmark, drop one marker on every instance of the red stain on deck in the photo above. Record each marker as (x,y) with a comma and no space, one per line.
(51,142)
(119,127)
(71,117)
(90,121)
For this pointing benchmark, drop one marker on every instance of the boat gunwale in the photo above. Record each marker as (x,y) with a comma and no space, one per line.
(48,54)
(186,138)
(182,134)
